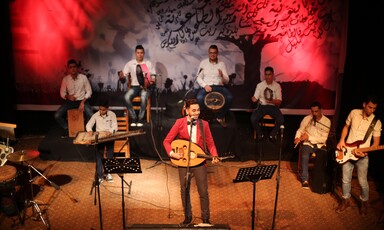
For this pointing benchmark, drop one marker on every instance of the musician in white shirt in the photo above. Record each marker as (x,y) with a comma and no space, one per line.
(355,132)
(212,76)
(313,134)
(106,122)
(268,98)
(75,90)
(141,78)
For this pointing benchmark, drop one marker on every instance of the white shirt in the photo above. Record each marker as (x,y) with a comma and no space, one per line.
(359,126)
(79,87)
(108,122)
(317,133)
(260,92)
(209,73)
(130,68)
(194,132)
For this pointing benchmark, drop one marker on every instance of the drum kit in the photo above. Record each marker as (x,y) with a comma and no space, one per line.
(9,185)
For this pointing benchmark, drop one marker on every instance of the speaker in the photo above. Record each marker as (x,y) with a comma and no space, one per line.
(176,226)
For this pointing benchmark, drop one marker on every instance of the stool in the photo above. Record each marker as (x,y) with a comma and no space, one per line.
(137,100)
(75,122)
(266,121)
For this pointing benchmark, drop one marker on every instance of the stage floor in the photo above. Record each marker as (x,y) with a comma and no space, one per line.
(153,198)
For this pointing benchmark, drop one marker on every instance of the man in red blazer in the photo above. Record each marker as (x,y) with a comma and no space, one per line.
(189,128)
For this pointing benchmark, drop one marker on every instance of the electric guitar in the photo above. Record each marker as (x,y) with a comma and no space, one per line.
(346,154)
(196,156)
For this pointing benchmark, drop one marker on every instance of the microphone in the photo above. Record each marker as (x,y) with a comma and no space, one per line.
(192,122)
(281,132)
(201,69)
(7,147)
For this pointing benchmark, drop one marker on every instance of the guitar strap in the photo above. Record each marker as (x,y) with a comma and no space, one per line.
(202,134)
(370,129)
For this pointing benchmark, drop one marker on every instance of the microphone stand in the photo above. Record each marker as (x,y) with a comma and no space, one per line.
(187,173)
(317,122)
(190,90)
(32,202)
(278,176)
(159,129)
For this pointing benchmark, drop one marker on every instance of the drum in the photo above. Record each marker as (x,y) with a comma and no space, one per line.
(8,176)
(214,100)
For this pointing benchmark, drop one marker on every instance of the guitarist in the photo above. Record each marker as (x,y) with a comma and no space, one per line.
(356,127)
(181,130)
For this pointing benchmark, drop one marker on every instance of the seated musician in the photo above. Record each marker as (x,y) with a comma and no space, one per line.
(313,134)
(106,122)
(212,77)
(140,74)
(268,98)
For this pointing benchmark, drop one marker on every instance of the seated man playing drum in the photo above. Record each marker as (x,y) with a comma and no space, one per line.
(212,76)
(268,98)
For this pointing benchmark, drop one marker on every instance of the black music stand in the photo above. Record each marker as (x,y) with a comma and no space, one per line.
(254,174)
(120,166)
(96,183)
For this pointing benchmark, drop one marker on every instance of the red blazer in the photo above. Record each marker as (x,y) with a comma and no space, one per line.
(180,131)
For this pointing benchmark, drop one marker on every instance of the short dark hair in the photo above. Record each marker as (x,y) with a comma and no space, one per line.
(214,47)
(139,47)
(316,104)
(71,61)
(371,98)
(103,101)
(269,68)
(190,102)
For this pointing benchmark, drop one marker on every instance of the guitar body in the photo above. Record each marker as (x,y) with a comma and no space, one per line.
(196,156)
(346,154)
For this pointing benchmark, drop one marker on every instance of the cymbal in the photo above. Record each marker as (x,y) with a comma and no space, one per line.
(23,155)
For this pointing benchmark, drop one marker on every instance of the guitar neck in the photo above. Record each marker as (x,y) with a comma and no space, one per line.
(369,149)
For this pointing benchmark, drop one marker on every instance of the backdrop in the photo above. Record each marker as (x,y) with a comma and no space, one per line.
(303,40)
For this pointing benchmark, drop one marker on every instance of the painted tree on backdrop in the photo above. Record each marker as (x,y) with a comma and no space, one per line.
(250,25)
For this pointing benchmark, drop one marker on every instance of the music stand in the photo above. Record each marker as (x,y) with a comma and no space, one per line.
(254,174)
(120,166)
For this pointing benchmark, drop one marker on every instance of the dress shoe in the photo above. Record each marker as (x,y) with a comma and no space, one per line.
(186,221)
(305,185)
(206,221)
(364,208)
(344,205)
